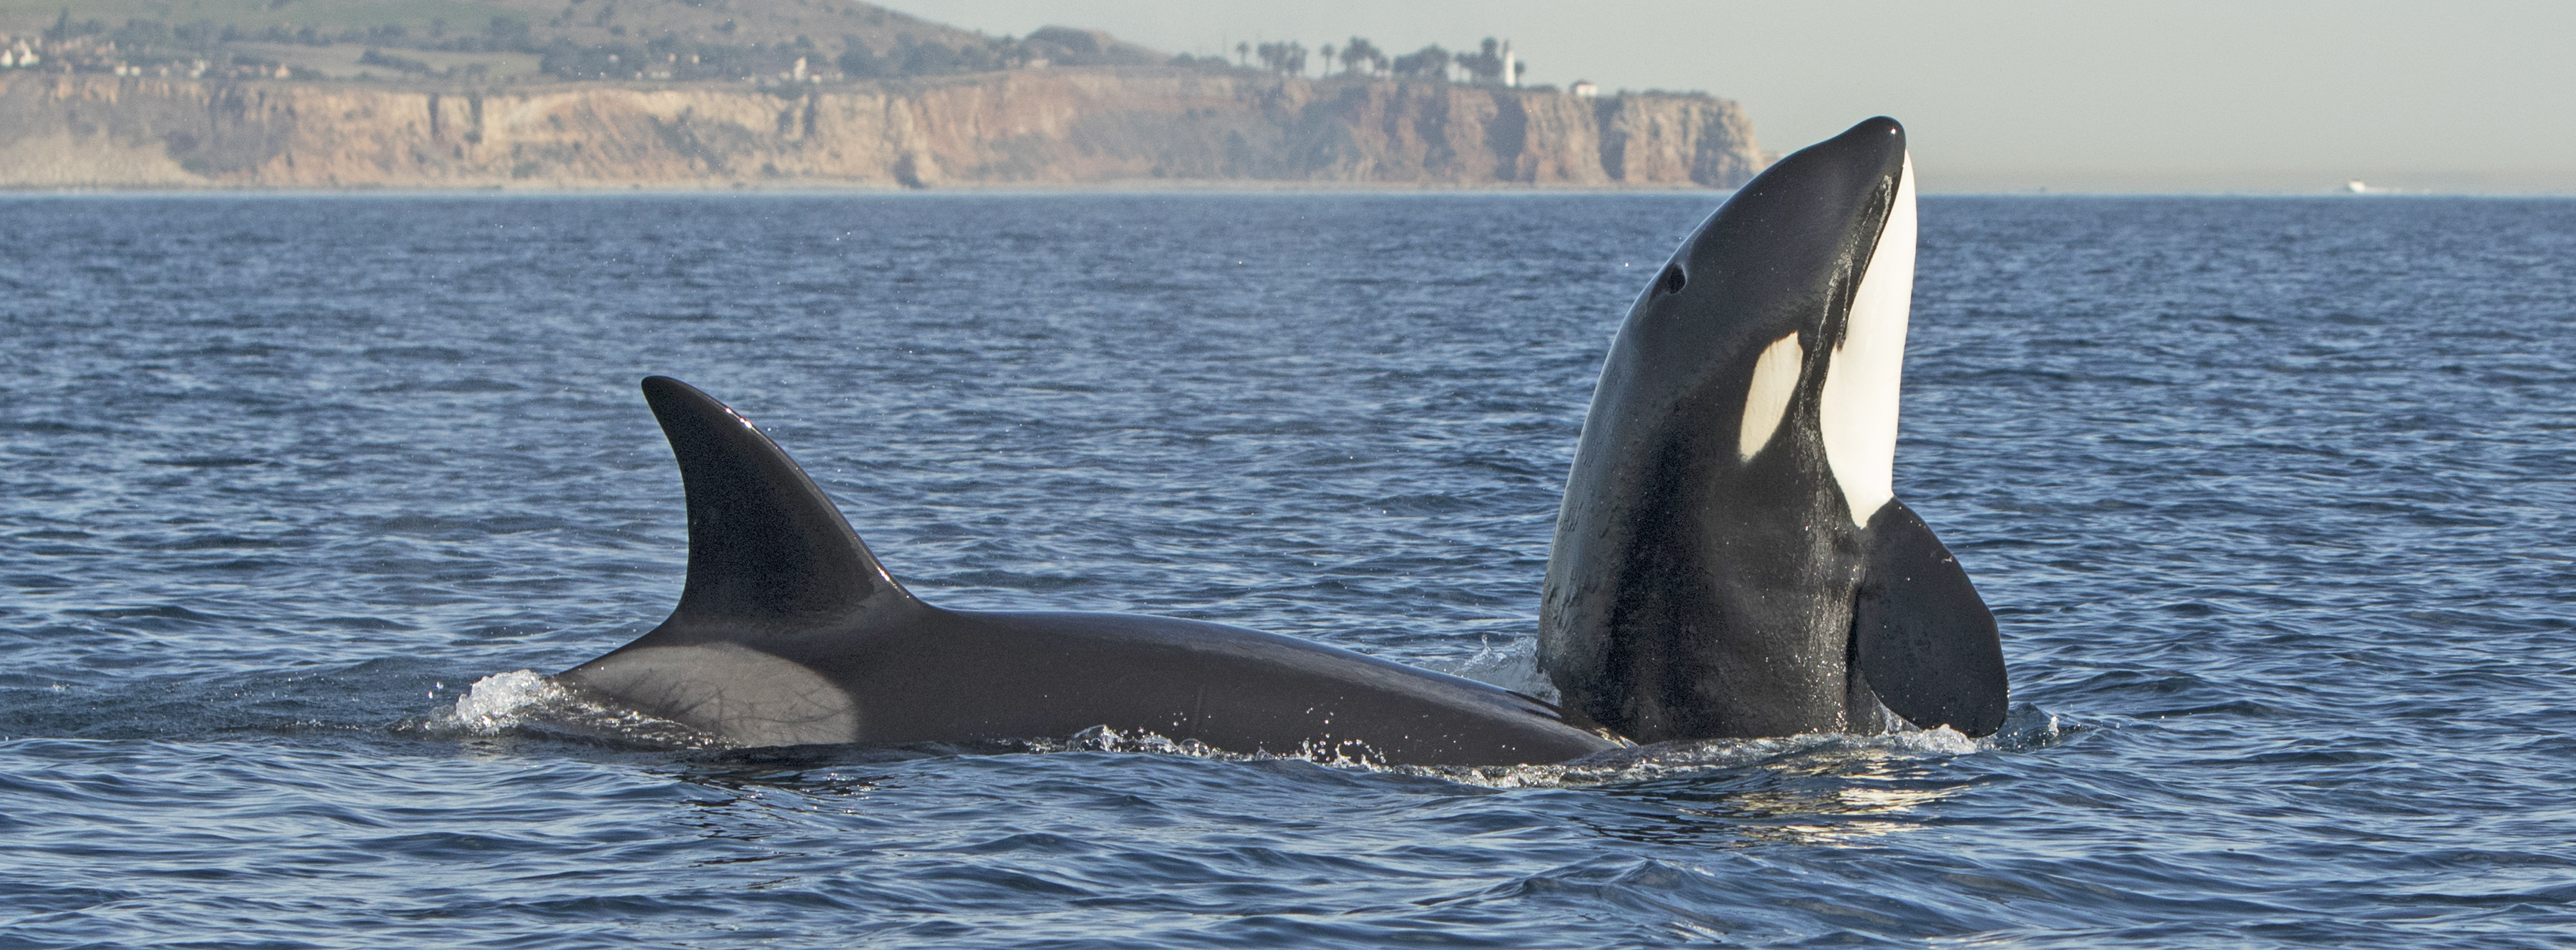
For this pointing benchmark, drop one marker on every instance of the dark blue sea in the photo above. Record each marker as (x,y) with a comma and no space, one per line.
(2274,498)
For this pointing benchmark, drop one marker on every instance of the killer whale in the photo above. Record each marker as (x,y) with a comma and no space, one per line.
(789,631)
(1730,559)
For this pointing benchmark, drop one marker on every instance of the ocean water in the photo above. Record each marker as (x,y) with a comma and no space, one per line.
(2272,498)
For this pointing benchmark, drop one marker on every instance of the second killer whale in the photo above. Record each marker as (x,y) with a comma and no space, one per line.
(790,632)
(1730,560)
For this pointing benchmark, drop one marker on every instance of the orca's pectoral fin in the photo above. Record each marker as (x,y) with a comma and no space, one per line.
(1921,637)
(768,551)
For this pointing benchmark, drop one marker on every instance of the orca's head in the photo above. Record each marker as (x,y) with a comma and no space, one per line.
(1787,308)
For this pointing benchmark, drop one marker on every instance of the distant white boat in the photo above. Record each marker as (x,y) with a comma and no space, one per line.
(2356,187)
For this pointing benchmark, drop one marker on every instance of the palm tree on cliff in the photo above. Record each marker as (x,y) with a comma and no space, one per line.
(1429,62)
(1326,51)
(1359,52)
(1243,54)
(1286,59)
(1483,66)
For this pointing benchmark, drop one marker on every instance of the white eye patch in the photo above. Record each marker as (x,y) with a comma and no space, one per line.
(1766,399)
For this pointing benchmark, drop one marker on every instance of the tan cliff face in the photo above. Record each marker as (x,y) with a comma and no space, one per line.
(1028,127)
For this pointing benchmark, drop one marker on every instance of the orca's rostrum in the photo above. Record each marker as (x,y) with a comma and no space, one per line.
(1730,560)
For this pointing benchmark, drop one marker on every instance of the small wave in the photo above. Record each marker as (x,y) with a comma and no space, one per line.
(416,354)
(474,384)
(1356,755)
(2026,728)
(2029,728)
(205,461)
(1105,739)
(46,427)
(162,612)
(218,542)
(1681,760)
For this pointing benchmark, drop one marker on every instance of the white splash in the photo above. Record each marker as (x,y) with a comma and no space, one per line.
(1941,741)
(502,700)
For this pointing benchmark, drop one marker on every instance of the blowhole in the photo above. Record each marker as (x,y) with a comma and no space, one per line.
(1673,279)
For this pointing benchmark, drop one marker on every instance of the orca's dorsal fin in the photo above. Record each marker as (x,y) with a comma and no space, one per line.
(767,549)
(1921,637)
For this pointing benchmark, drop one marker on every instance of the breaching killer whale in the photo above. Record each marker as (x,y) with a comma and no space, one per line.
(1709,579)
(1731,559)
(790,632)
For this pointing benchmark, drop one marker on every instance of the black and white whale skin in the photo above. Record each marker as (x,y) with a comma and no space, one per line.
(1731,559)
(789,632)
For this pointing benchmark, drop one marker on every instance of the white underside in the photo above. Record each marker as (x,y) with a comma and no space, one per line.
(1766,399)
(1858,414)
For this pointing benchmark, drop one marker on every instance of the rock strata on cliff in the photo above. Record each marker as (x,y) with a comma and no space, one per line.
(1026,127)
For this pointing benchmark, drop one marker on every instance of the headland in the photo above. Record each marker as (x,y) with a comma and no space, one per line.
(743,94)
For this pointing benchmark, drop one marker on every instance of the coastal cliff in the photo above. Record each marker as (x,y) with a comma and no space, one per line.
(1029,127)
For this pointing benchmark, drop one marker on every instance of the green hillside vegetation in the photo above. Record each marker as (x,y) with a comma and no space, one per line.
(485,41)
(430,22)
(515,40)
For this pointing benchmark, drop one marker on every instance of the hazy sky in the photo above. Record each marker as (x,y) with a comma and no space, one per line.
(2176,95)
